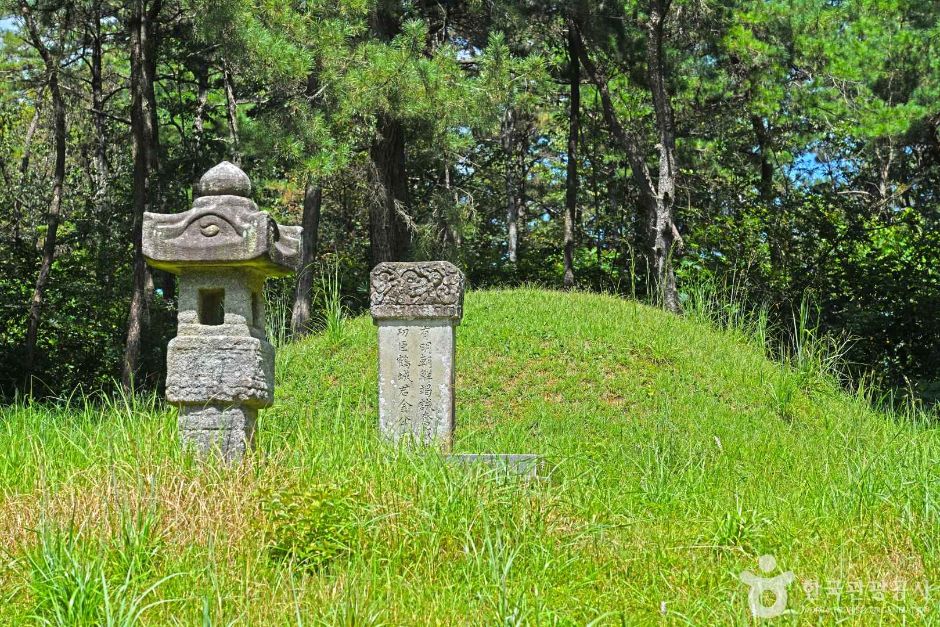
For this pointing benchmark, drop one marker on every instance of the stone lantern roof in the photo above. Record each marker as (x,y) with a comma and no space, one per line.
(224,228)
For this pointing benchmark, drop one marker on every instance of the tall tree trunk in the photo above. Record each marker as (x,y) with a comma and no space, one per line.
(508,135)
(885,159)
(664,233)
(596,200)
(144,143)
(30,133)
(231,109)
(300,313)
(58,182)
(775,241)
(101,175)
(102,168)
(762,134)
(446,228)
(199,131)
(389,233)
(571,179)
(24,166)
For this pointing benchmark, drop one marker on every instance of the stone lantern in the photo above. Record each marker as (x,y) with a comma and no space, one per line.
(220,365)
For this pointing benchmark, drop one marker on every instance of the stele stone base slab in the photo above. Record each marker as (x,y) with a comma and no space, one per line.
(416,307)
(220,366)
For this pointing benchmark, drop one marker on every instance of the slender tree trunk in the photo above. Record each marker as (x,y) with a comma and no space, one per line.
(508,141)
(24,166)
(885,160)
(762,134)
(665,236)
(766,191)
(102,168)
(231,109)
(657,198)
(144,142)
(101,175)
(596,200)
(613,209)
(30,133)
(571,180)
(199,131)
(389,234)
(58,182)
(300,314)
(446,232)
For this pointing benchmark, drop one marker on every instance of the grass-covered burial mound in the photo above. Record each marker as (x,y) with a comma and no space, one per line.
(676,456)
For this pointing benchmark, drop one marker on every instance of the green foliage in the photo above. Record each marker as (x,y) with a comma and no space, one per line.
(310,527)
(807,151)
(744,530)
(277,308)
(66,580)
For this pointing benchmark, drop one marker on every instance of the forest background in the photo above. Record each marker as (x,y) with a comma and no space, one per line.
(781,154)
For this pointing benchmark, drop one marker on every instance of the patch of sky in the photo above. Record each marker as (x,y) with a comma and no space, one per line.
(464,168)
(466,51)
(809,169)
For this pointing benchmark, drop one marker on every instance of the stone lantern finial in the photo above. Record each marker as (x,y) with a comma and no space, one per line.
(225,179)
(220,365)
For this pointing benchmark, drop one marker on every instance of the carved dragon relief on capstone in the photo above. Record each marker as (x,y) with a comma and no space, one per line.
(416,290)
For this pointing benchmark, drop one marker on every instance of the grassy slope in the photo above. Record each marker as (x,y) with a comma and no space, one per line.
(679,455)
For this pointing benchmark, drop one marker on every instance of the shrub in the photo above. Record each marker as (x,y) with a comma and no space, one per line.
(309,527)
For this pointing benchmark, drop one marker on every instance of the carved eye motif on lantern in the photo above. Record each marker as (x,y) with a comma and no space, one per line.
(204,230)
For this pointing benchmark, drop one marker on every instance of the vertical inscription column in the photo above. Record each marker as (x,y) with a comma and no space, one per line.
(417,307)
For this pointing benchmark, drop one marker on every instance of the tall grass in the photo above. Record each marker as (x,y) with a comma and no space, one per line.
(723,305)
(75,579)
(327,300)
(332,310)
(798,342)
(675,453)
(278,303)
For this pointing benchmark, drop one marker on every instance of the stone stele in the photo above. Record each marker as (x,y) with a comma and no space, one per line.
(417,307)
(220,365)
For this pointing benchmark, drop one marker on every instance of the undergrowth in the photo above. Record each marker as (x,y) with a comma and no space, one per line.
(309,527)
